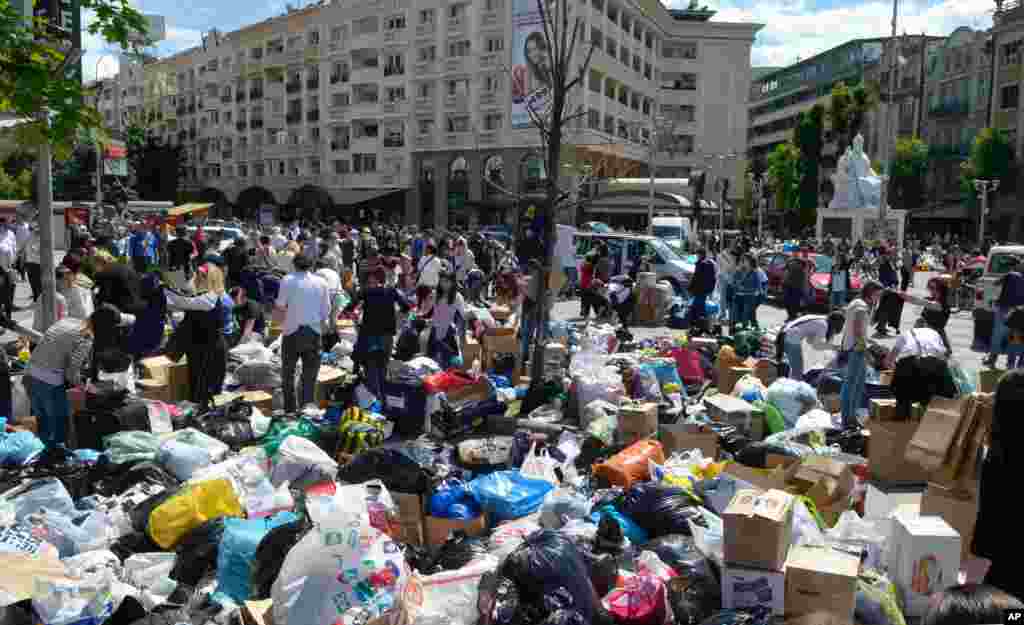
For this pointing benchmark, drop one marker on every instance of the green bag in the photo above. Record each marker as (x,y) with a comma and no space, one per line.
(132,446)
(281,429)
(773,421)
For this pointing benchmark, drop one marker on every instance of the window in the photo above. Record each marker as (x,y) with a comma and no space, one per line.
(458,48)
(458,87)
(495,44)
(492,83)
(1009,96)
(492,121)
(364,163)
(427,54)
(395,22)
(1010,53)
(458,123)
(396,94)
(339,99)
(394,65)
(243,170)
(365,26)
(313,37)
(428,16)
(336,34)
(425,126)
(256,53)
(314,167)
(424,91)
(294,42)
(593,119)
(596,38)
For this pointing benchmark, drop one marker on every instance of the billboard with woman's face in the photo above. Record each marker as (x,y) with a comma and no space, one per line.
(531,65)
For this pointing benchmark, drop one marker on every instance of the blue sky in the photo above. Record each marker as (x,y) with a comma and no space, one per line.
(794,29)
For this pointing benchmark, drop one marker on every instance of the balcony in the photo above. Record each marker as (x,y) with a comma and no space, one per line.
(458,138)
(338,112)
(458,103)
(950,107)
(491,59)
(426,67)
(339,145)
(225,99)
(294,117)
(227,155)
(339,79)
(240,126)
(456,24)
(489,137)
(255,124)
(394,70)
(425,30)
(293,87)
(313,84)
(489,98)
(455,64)
(256,94)
(313,116)
(393,142)
(492,18)
(397,106)
(394,35)
(240,96)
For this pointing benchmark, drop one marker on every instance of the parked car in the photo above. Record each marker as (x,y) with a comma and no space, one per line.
(627,249)
(818,272)
(1002,259)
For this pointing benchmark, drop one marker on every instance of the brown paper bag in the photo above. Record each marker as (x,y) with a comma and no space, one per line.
(930,446)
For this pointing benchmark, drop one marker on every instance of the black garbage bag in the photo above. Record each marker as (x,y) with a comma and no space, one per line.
(117,482)
(565,617)
(127,613)
(399,472)
(609,537)
(732,443)
(270,556)
(696,590)
(755,454)
(548,562)
(19,613)
(171,615)
(229,423)
(197,553)
(418,557)
(851,441)
(749,616)
(603,567)
(658,509)
(458,551)
(498,601)
(132,543)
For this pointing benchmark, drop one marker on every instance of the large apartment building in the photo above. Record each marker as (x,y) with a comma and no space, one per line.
(405,107)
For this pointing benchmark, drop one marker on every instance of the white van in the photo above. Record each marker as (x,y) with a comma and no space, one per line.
(625,250)
(1001,260)
(674,230)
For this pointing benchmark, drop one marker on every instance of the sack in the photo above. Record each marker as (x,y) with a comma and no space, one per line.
(450,596)
(628,526)
(125,447)
(182,459)
(71,602)
(631,464)
(191,436)
(238,546)
(643,599)
(280,429)
(396,470)
(549,562)
(659,509)
(453,500)
(964,384)
(47,493)
(189,508)
(300,462)
(540,466)
(447,381)
(196,553)
(270,555)
(561,506)
(358,436)
(18,448)
(508,495)
(792,398)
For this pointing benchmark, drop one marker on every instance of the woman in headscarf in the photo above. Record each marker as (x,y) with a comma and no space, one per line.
(1011,296)
(202,335)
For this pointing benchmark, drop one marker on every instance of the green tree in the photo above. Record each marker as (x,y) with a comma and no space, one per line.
(159,168)
(808,136)
(909,166)
(784,174)
(991,159)
(17,187)
(848,109)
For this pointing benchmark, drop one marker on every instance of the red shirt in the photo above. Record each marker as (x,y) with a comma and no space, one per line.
(586,275)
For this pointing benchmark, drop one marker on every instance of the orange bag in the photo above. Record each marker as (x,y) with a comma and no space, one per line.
(631,464)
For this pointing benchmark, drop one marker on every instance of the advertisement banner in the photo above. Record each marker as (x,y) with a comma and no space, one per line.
(531,75)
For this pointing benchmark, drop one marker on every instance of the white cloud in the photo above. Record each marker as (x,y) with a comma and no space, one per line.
(102,59)
(796,29)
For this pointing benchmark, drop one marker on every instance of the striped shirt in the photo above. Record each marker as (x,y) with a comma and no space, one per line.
(61,354)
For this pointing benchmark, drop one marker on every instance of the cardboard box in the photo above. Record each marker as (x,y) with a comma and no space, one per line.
(764,479)
(887,450)
(156,368)
(988,379)
(258,612)
(326,378)
(750,588)
(732,376)
(958,509)
(161,370)
(504,343)
(637,421)
(924,558)
(884,410)
(825,481)
(437,529)
(885,377)
(731,410)
(821,580)
(410,518)
(686,436)
(931,443)
(758,529)
(476,391)
(959,471)
(259,399)
(154,390)
(766,371)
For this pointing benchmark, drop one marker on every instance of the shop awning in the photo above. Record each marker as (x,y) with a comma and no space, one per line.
(178,213)
(349,197)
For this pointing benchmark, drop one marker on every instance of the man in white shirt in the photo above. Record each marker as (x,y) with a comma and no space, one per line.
(429,269)
(816,330)
(919,341)
(8,256)
(303,306)
(919,361)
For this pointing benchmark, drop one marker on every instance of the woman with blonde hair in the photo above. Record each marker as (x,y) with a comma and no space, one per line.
(202,335)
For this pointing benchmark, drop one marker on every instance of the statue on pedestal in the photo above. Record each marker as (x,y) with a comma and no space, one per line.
(856,184)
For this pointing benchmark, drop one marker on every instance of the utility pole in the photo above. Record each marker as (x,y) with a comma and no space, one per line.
(921,102)
(893,64)
(983,187)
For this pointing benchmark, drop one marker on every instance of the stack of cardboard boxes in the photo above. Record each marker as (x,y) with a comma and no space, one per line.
(164,379)
(806,584)
(890,435)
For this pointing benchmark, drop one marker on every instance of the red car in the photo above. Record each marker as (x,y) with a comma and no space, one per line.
(774,265)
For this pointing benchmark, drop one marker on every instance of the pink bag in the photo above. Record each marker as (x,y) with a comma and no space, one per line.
(688,364)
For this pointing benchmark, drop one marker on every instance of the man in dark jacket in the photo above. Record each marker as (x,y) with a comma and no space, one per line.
(702,284)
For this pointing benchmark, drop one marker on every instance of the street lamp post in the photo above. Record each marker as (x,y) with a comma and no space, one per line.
(659,127)
(756,189)
(984,187)
(99,148)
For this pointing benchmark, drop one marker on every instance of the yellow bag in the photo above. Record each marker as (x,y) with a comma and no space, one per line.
(191,507)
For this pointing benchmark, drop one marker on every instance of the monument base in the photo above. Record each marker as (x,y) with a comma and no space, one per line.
(861,225)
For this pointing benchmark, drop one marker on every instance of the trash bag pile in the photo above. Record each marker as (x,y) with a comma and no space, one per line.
(629,491)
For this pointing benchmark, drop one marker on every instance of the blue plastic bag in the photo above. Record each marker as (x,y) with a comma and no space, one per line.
(508,495)
(238,551)
(182,459)
(47,493)
(18,448)
(630,529)
(453,500)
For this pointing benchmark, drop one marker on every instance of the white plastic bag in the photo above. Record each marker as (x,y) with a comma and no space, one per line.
(299,460)
(73,602)
(852,533)
(540,466)
(217,449)
(183,459)
(507,536)
(806,532)
(449,597)
(150,573)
